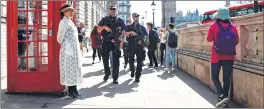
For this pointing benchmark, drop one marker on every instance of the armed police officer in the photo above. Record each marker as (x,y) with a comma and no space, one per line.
(112,28)
(136,46)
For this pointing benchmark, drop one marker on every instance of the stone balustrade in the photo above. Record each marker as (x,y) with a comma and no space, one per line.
(248,77)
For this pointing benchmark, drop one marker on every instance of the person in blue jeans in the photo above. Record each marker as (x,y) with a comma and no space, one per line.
(170,51)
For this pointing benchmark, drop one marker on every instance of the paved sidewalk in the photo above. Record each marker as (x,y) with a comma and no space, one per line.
(157,89)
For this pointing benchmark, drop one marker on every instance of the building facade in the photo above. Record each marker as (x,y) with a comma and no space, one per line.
(168,11)
(90,13)
(124,9)
(189,17)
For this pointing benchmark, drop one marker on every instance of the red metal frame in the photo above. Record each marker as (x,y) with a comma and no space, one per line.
(37,81)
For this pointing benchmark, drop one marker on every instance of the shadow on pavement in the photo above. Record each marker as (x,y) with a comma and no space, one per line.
(95,73)
(125,87)
(96,90)
(88,57)
(202,89)
(166,75)
(87,65)
(147,71)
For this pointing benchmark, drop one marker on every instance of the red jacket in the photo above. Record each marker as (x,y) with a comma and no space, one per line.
(93,38)
(213,34)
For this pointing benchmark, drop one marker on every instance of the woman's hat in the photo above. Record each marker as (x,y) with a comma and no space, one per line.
(223,14)
(66,6)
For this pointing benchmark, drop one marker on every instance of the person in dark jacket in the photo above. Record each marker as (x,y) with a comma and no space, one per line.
(81,33)
(128,22)
(135,46)
(112,28)
(152,45)
(96,43)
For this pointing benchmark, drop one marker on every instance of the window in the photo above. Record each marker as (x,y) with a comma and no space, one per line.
(232,13)
(261,8)
(250,10)
(239,13)
(244,11)
(208,17)
(3,10)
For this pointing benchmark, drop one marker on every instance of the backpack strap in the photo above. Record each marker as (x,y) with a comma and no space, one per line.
(222,28)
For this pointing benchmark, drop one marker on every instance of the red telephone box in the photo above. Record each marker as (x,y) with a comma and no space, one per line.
(32,48)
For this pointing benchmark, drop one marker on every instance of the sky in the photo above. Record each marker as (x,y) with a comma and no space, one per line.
(203,6)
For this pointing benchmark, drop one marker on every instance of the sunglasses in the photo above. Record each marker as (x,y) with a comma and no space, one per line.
(112,9)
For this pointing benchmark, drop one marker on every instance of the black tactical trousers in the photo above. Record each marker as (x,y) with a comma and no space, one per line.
(135,49)
(106,48)
(125,53)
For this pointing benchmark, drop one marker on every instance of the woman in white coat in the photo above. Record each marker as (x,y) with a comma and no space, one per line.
(70,55)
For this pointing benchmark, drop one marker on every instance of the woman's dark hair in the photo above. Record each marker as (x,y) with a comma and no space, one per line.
(66,5)
(94,31)
(171,26)
(150,24)
(224,21)
(62,15)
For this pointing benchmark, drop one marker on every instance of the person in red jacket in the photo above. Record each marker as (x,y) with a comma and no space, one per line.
(96,38)
(223,52)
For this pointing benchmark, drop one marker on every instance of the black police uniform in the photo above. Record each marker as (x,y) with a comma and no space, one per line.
(136,47)
(116,25)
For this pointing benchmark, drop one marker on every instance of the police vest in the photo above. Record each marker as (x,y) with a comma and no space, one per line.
(114,24)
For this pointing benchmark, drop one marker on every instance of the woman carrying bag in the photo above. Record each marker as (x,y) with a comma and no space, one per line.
(96,38)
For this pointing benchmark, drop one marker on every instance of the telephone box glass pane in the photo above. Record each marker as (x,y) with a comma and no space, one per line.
(32,33)
(37,5)
(32,64)
(32,18)
(43,48)
(32,49)
(44,18)
(44,5)
(21,44)
(22,64)
(43,64)
(21,5)
(21,21)
(43,33)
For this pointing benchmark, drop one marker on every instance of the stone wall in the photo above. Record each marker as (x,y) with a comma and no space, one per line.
(248,76)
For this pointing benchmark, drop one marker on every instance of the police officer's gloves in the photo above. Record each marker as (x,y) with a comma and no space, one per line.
(132,33)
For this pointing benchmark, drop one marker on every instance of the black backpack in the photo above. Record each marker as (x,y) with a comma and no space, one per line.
(172,40)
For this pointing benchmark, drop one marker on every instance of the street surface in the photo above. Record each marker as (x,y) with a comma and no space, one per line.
(157,89)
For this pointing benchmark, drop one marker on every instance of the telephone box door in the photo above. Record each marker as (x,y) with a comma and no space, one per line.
(31,47)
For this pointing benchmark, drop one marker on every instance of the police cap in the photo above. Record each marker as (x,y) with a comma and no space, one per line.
(135,14)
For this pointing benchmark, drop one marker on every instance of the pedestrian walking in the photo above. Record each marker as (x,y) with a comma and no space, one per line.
(152,46)
(70,55)
(224,36)
(112,28)
(136,46)
(81,33)
(125,51)
(96,43)
(171,45)
(162,48)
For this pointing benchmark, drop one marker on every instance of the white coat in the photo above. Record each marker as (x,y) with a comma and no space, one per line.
(70,55)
